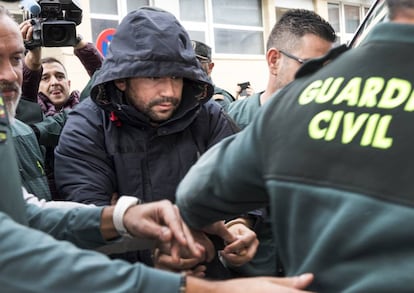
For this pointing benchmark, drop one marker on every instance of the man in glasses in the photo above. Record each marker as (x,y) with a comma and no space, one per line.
(299,35)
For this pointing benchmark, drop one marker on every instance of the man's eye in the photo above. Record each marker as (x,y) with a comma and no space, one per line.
(17,59)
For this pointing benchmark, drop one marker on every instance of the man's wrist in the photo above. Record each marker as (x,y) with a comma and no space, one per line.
(236,221)
(79,42)
(121,206)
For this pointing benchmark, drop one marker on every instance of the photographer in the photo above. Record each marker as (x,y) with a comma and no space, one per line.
(46,81)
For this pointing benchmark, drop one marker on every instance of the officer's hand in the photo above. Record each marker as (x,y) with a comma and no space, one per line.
(161,220)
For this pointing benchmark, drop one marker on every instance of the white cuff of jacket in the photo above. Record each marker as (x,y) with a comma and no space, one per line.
(123,203)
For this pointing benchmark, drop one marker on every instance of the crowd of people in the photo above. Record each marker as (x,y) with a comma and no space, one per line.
(159,180)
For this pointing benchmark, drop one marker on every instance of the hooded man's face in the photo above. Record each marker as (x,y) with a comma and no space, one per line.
(156,97)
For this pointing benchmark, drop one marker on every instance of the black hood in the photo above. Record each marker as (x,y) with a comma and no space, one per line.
(150,42)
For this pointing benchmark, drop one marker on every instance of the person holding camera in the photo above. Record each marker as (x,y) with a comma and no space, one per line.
(244,90)
(45,82)
(45,79)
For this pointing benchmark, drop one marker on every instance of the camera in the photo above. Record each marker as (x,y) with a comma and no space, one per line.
(244,85)
(54,22)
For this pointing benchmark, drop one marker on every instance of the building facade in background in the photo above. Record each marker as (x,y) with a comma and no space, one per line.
(236,30)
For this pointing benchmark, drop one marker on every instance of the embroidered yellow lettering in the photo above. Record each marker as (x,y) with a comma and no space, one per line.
(310,93)
(329,90)
(350,93)
(395,94)
(373,128)
(369,97)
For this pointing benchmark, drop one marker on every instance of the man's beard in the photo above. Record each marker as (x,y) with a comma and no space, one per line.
(150,113)
(147,109)
(10,103)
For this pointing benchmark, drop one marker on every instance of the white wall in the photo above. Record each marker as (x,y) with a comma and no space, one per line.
(305,4)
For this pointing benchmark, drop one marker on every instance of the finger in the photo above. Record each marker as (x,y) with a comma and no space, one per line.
(219,229)
(172,219)
(167,262)
(195,249)
(242,243)
(175,251)
(152,220)
(236,260)
(207,244)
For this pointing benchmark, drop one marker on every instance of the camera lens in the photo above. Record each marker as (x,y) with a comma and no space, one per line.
(57,34)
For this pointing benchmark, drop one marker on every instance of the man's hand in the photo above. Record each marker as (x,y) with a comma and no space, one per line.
(243,249)
(26,29)
(191,266)
(188,262)
(161,220)
(34,56)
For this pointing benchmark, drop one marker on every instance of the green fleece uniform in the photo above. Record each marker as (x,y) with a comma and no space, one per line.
(244,111)
(332,155)
(30,160)
(32,261)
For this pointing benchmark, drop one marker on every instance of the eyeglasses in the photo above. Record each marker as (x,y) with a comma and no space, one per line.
(301,61)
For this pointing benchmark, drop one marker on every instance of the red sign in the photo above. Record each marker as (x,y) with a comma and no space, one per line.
(104,39)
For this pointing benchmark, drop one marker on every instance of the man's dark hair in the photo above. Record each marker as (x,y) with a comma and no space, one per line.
(48,60)
(395,6)
(296,23)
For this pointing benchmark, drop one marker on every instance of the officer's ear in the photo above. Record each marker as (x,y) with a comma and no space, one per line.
(273,56)
(121,84)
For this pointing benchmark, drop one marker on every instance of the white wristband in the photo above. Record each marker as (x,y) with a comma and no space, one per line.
(123,203)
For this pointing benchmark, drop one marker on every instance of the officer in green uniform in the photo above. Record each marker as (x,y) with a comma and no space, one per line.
(332,156)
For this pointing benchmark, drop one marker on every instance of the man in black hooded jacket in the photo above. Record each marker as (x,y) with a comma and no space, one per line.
(147,121)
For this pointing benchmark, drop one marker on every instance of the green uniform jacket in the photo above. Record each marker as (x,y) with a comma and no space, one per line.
(244,111)
(33,261)
(332,154)
(30,160)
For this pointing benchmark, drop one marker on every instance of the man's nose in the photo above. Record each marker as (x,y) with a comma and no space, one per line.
(169,87)
(53,79)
